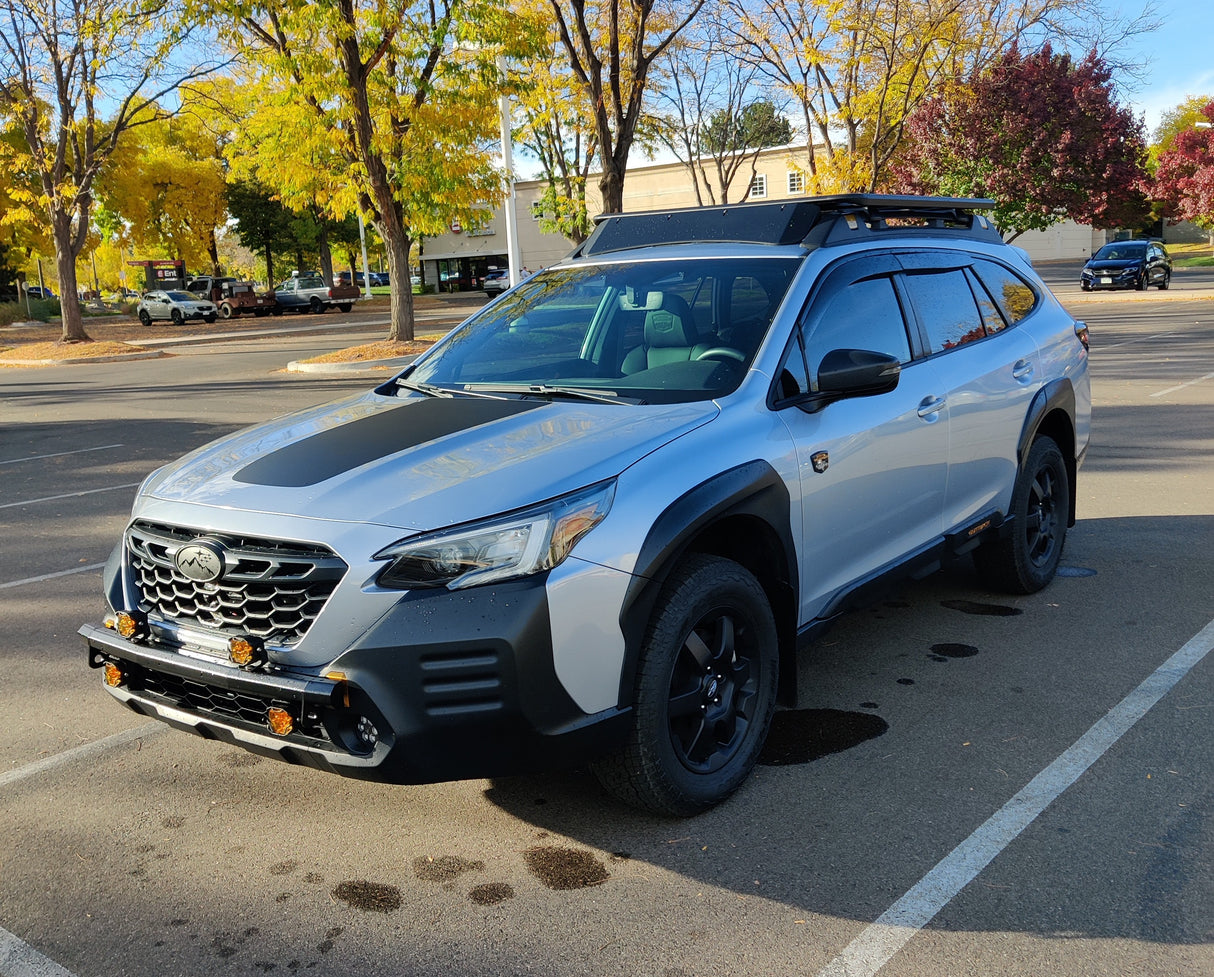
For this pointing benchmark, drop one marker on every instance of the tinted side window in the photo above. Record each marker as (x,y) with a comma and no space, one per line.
(1012,294)
(863,315)
(946,308)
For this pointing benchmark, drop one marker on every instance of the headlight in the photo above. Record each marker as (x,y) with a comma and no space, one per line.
(501,548)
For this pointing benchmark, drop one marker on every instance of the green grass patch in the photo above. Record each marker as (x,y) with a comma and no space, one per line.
(1206,262)
(40,310)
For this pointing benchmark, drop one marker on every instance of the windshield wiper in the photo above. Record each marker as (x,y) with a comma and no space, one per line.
(430,390)
(550,390)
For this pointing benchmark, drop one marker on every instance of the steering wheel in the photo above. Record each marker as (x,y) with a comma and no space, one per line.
(722,353)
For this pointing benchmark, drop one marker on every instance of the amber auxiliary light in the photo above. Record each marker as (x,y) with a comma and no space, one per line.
(128,624)
(112,675)
(280,720)
(246,652)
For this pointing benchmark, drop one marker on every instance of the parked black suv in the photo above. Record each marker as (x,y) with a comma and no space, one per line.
(1128,264)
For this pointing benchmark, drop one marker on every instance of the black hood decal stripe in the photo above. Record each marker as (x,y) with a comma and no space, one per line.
(347,446)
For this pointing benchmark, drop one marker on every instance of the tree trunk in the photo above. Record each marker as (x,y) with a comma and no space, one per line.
(611,187)
(326,255)
(65,262)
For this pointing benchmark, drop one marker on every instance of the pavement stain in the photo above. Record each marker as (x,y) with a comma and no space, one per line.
(947,650)
(370,897)
(444,868)
(565,868)
(981,608)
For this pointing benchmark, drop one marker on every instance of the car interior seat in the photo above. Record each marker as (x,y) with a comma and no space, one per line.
(670,337)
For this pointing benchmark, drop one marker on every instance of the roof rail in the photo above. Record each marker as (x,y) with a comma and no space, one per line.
(809,221)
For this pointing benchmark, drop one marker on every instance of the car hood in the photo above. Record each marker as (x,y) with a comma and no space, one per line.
(421,463)
(1113,264)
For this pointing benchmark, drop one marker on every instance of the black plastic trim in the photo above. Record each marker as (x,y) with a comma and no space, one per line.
(754,490)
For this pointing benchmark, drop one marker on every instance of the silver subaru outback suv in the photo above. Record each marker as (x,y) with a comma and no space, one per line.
(596,523)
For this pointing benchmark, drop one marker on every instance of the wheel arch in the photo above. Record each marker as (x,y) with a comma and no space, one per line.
(1052,413)
(742,514)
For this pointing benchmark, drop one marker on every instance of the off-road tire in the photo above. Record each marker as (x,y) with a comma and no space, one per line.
(705,692)
(1026,560)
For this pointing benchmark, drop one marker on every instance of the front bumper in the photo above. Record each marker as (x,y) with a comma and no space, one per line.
(473,694)
(1127,278)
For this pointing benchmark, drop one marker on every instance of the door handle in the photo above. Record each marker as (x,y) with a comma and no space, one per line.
(1022,370)
(930,405)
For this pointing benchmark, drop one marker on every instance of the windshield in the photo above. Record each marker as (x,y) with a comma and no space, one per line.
(183,296)
(1121,251)
(650,331)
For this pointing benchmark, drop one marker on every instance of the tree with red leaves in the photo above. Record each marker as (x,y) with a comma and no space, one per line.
(1040,134)
(1184,179)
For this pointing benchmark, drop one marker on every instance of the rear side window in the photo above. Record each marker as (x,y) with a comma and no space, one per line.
(1014,297)
(946,307)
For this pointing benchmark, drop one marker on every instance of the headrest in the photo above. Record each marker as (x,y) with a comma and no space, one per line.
(670,325)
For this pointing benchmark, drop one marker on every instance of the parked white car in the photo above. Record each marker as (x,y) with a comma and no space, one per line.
(177,307)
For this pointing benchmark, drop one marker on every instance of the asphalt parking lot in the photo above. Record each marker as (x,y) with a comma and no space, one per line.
(971,784)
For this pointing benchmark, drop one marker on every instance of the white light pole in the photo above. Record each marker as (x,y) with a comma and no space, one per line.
(513,258)
(362,236)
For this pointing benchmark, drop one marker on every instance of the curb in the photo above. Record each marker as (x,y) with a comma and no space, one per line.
(357,366)
(68,360)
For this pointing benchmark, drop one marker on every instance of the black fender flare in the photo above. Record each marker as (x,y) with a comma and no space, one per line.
(753,491)
(1057,396)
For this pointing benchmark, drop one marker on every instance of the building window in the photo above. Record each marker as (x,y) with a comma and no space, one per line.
(537,210)
(758,187)
(796,181)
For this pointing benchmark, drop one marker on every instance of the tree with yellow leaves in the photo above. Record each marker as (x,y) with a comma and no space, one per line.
(859,68)
(75,79)
(398,100)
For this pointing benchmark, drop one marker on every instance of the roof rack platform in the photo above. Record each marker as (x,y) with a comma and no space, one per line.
(808,221)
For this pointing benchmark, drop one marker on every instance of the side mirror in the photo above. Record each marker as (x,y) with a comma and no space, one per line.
(857,373)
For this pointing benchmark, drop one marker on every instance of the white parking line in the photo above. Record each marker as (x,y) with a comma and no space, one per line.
(51,576)
(1181,386)
(19,959)
(82,752)
(60,454)
(897,926)
(69,495)
(1131,342)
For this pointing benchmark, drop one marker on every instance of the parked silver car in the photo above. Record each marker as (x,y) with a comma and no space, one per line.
(177,307)
(598,521)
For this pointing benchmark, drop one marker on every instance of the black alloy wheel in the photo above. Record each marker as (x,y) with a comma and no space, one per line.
(1026,560)
(705,691)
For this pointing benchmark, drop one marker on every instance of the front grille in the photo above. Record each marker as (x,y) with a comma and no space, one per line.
(269,588)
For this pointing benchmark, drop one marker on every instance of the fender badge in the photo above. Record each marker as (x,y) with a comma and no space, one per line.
(821,461)
(201,560)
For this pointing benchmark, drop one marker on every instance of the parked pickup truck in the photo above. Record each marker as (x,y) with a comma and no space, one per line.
(233,297)
(307,291)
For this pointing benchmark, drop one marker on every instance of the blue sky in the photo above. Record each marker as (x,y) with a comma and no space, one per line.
(1178,59)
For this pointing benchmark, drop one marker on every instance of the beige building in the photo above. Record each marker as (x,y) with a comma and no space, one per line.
(460,258)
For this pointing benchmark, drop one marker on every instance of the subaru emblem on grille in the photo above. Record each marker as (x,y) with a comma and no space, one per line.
(200,560)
